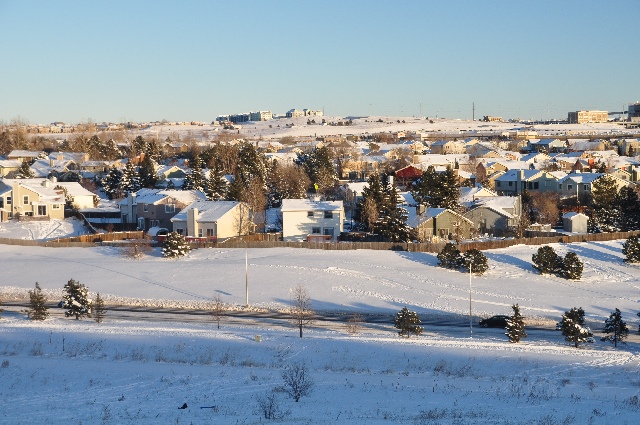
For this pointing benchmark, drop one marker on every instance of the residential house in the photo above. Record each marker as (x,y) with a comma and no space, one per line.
(577,184)
(546,145)
(24,155)
(212,220)
(443,147)
(31,198)
(435,224)
(156,207)
(311,220)
(468,195)
(498,215)
(8,167)
(77,196)
(514,182)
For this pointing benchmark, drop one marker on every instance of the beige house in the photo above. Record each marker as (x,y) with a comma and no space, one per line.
(306,220)
(31,198)
(212,220)
(436,224)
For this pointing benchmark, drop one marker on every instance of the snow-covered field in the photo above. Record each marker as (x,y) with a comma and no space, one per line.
(139,372)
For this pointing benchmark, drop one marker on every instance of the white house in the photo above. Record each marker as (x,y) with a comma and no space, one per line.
(308,220)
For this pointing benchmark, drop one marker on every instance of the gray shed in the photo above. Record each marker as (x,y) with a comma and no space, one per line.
(574,222)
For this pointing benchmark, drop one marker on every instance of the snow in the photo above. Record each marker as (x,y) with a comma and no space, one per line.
(135,371)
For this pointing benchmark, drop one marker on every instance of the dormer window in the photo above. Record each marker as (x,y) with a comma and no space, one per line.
(170,208)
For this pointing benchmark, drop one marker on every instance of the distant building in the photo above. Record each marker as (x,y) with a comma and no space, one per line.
(488,118)
(260,116)
(634,112)
(582,117)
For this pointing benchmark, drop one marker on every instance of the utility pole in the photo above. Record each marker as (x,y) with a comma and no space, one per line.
(473,113)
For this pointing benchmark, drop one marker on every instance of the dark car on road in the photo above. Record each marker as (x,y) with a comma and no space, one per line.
(499,321)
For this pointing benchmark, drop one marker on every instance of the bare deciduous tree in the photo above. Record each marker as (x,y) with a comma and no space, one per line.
(137,248)
(354,323)
(217,309)
(370,212)
(301,312)
(545,205)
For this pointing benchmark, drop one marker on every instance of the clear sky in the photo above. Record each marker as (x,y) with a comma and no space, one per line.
(117,61)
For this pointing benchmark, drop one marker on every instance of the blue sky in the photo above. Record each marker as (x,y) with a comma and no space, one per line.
(117,61)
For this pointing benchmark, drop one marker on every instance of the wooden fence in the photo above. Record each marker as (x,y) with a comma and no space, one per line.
(260,242)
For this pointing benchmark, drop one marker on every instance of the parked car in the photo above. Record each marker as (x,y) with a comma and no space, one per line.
(499,321)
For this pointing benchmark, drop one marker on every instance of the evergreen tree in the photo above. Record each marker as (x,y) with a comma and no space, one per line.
(604,210)
(251,163)
(175,246)
(631,250)
(629,206)
(408,322)
(147,173)
(318,164)
(573,329)
(546,261)
(76,300)
(112,183)
(24,172)
(450,257)
(194,180)
(515,325)
(215,185)
(236,189)
(392,219)
(437,190)
(98,309)
(614,324)
(477,259)
(37,309)
(130,182)
(572,266)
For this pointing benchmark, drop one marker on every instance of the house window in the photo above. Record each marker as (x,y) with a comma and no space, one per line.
(169,208)
(585,187)
(25,199)
(1,202)
(510,184)
(180,231)
(42,210)
(497,184)
(536,185)
(315,230)
(210,232)
(145,207)
(8,200)
(559,187)
(309,213)
(569,186)
(328,231)
(199,233)
(155,223)
(56,206)
(328,214)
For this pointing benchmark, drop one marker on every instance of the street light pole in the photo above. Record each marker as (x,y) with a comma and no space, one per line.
(470,319)
(246,273)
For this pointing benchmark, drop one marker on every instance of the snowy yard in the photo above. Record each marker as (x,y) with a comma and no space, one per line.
(64,371)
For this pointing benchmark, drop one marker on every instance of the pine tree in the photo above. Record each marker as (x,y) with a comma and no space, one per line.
(37,309)
(449,257)
(629,206)
(216,185)
(392,219)
(477,259)
(546,261)
(130,182)
(605,212)
(515,325)
(614,324)
(408,322)
(437,190)
(147,173)
(370,204)
(76,300)
(631,250)
(24,172)
(194,180)
(572,266)
(175,246)
(573,329)
(112,183)
(99,311)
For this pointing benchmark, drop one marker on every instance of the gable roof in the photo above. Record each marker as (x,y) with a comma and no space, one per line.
(208,211)
(308,205)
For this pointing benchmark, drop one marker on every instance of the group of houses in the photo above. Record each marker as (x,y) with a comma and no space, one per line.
(568,168)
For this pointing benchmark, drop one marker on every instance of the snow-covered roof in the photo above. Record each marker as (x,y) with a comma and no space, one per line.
(307,205)
(208,211)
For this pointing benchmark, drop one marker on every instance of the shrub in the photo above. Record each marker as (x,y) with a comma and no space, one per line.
(546,261)
(175,246)
(297,382)
(572,266)
(478,260)
(631,250)
(408,322)
(450,257)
